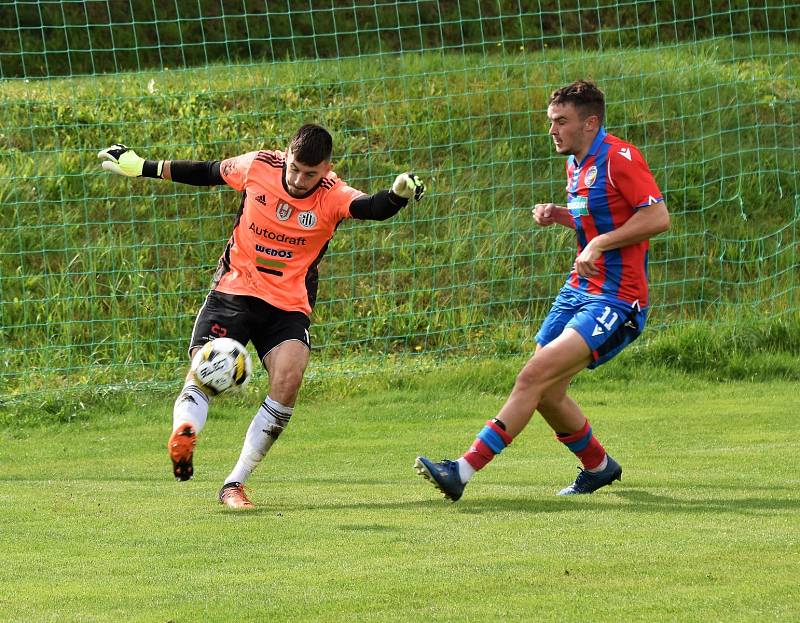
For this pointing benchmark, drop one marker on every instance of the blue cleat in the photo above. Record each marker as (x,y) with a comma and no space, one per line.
(443,475)
(589,482)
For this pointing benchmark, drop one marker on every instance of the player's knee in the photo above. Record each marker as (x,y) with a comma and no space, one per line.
(286,382)
(528,380)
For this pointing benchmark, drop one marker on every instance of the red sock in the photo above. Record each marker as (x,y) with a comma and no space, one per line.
(584,445)
(491,441)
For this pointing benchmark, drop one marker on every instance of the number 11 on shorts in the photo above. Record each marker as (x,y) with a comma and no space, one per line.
(607,322)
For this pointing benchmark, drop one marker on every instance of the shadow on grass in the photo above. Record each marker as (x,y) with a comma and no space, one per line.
(662,503)
(641,501)
(729,499)
(633,500)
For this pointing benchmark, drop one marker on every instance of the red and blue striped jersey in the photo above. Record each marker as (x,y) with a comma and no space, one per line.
(603,192)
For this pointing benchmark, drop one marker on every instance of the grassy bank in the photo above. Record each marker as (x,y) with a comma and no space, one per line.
(100,277)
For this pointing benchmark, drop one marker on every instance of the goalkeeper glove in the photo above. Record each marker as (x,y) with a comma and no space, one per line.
(123,161)
(408,185)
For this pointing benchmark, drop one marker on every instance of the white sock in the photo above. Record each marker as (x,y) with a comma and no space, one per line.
(266,427)
(465,470)
(191,406)
(601,467)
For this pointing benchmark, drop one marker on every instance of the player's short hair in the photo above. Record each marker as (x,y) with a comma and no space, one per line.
(311,144)
(587,98)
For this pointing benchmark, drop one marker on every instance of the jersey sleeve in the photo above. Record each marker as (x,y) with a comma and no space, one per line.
(234,170)
(630,175)
(340,197)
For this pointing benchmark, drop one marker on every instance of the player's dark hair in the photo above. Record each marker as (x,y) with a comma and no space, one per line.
(311,144)
(585,96)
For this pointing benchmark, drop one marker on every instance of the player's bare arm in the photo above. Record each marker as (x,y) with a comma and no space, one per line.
(643,225)
(545,214)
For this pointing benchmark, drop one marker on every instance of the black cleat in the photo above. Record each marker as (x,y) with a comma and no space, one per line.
(444,475)
(589,482)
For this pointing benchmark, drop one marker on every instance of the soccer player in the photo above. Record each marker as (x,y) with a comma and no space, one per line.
(614,205)
(265,285)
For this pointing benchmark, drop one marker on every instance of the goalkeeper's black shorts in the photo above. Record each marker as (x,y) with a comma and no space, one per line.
(248,319)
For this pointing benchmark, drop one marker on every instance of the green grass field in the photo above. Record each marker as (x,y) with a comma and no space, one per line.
(703,527)
(421,324)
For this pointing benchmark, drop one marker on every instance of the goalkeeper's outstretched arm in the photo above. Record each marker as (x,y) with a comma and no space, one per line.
(387,203)
(121,160)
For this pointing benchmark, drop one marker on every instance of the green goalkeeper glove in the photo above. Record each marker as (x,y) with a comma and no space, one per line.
(408,185)
(123,161)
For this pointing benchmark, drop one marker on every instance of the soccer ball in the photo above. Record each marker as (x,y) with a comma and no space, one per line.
(222,364)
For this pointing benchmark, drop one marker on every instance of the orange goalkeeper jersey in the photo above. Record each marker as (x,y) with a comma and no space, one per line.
(278,240)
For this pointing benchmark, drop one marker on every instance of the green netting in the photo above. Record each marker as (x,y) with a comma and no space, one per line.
(100,276)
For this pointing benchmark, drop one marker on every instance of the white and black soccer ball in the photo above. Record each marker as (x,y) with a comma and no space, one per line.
(222,364)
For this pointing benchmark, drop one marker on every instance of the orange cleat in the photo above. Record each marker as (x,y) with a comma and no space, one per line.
(232,495)
(181,448)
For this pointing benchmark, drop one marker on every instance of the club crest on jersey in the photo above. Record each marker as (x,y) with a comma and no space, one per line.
(283,211)
(307,219)
(590,177)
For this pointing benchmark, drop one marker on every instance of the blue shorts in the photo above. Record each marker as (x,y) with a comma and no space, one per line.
(606,326)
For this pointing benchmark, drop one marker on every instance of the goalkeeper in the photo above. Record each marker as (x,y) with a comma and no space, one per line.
(265,285)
